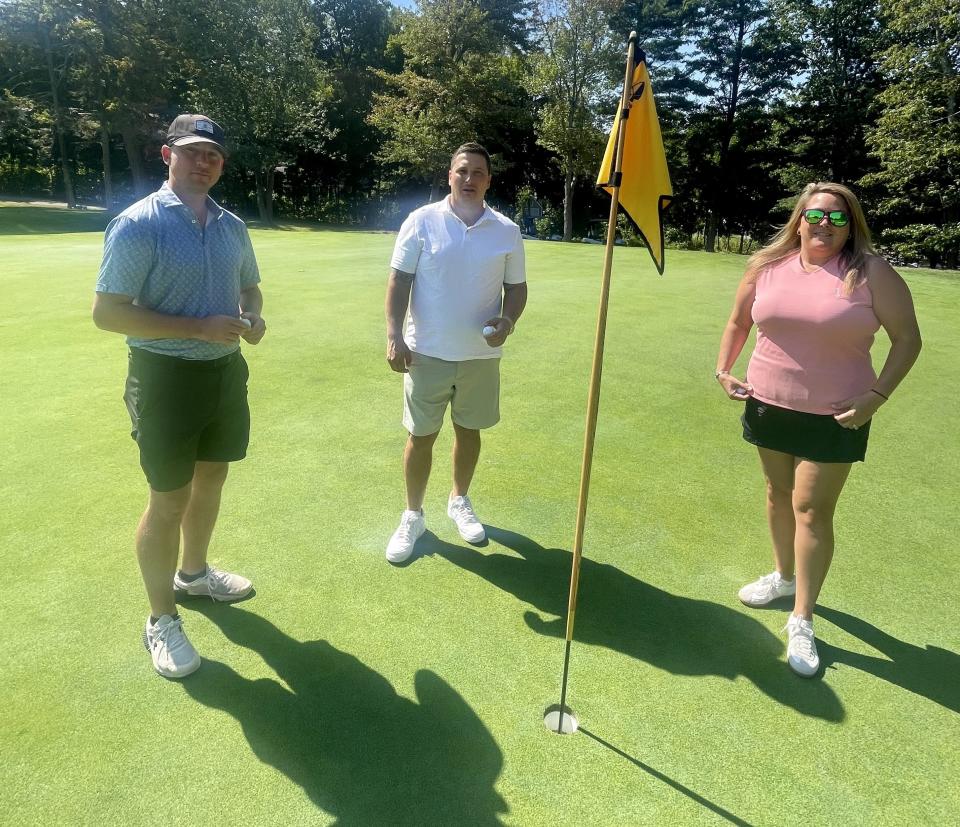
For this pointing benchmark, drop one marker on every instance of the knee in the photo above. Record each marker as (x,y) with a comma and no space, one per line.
(814,516)
(168,508)
(421,444)
(779,496)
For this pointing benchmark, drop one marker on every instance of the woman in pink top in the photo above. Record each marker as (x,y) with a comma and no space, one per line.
(817,293)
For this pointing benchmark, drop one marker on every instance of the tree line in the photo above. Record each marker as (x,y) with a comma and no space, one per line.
(345,111)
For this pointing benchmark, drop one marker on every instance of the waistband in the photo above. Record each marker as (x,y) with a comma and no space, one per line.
(142,356)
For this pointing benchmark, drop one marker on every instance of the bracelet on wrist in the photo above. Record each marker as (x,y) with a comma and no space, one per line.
(719,373)
(881,395)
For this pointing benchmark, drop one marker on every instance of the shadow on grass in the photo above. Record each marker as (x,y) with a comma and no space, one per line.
(680,635)
(30,220)
(931,672)
(340,731)
(703,802)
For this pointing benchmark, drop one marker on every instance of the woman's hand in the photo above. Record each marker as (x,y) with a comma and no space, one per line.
(858,410)
(733,387)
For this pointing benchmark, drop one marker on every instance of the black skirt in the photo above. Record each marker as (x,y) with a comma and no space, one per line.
(814,437)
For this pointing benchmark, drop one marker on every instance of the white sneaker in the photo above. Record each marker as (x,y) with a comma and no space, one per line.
(460,510)
(173,655)
(802,648)
(767,589)
(215,584)
(412,525)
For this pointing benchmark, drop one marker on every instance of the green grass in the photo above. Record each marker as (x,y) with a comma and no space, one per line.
(351,691)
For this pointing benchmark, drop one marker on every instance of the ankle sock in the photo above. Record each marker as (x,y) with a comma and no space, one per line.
(189,578)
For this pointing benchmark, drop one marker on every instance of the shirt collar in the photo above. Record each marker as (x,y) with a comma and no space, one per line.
(168,198)
(486,215)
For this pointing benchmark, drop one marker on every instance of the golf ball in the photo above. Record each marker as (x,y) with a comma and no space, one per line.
(489,330)
(247,322)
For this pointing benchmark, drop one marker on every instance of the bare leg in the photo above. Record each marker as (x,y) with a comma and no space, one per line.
(417,461)
(201,514)
(466,452)
(158,545)
(818,487)
(778,469)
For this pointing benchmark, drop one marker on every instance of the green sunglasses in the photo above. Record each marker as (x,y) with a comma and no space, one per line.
(836,217)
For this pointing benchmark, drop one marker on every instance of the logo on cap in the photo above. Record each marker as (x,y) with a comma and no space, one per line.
(203,126)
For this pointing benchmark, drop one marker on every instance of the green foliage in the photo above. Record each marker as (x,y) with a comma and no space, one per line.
(458,84)
(251,66)
(917,135)
(551,222)
(922,244)
(573,80)
(359,102)
(842,42)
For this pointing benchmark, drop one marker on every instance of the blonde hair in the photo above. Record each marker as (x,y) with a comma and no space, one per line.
(787,241)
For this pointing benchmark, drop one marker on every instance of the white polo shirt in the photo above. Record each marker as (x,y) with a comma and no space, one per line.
(459,273)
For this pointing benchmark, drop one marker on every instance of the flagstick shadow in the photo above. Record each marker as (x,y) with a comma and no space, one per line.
(704,802)
(340,731)
(931,672)
(678,634)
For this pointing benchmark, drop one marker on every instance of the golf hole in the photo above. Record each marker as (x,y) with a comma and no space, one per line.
(551,720)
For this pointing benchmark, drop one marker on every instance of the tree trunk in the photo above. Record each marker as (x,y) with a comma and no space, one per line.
(58,123)
(435,188)
(107,174)
(264,180)
(710,233)
(131,143)
(568,182)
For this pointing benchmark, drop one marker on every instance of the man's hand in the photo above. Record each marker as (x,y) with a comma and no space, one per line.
(503,327)
(224,330)
(398,354)
(257,328)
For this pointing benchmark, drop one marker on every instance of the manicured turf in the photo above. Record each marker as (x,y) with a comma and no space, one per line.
(351,691)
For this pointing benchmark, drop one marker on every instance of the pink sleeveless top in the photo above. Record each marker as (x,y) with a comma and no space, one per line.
(813,342)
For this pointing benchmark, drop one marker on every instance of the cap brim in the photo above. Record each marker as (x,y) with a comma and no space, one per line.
(197,139)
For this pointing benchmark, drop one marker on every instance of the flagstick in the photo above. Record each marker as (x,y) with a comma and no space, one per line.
(593,400)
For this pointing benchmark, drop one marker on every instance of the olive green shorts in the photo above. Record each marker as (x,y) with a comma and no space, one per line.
(184,411)
(471,388)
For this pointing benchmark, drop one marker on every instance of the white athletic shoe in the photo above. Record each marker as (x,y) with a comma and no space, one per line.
(802,654)
(173,655)
(767,589)
(412,525)
(460,510)
(215,584)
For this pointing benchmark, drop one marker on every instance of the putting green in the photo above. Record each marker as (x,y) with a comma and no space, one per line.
(349,691)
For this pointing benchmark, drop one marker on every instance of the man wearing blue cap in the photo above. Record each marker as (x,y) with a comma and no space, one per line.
(180,280)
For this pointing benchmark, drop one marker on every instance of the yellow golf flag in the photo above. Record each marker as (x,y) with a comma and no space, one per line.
(645,190)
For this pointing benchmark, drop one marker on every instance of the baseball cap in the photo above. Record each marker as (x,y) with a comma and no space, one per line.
(194,129)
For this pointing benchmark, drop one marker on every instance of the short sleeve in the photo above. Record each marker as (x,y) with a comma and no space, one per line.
(249,272)
(515,271)
(128,251)
(406,250)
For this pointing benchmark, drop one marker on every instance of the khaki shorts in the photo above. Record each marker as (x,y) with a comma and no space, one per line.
(471,388)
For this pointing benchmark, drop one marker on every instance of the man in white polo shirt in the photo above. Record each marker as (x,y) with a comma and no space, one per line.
(459,266)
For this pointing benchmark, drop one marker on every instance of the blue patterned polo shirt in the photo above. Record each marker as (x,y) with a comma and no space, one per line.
(157,252)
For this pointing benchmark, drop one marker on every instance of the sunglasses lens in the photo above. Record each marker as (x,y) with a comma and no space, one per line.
(838,218)
(814,216)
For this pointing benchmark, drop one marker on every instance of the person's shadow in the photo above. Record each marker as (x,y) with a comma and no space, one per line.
(931,672)
(339,730)
(681,635)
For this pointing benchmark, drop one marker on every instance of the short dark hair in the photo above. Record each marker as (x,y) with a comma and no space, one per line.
(474,149)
